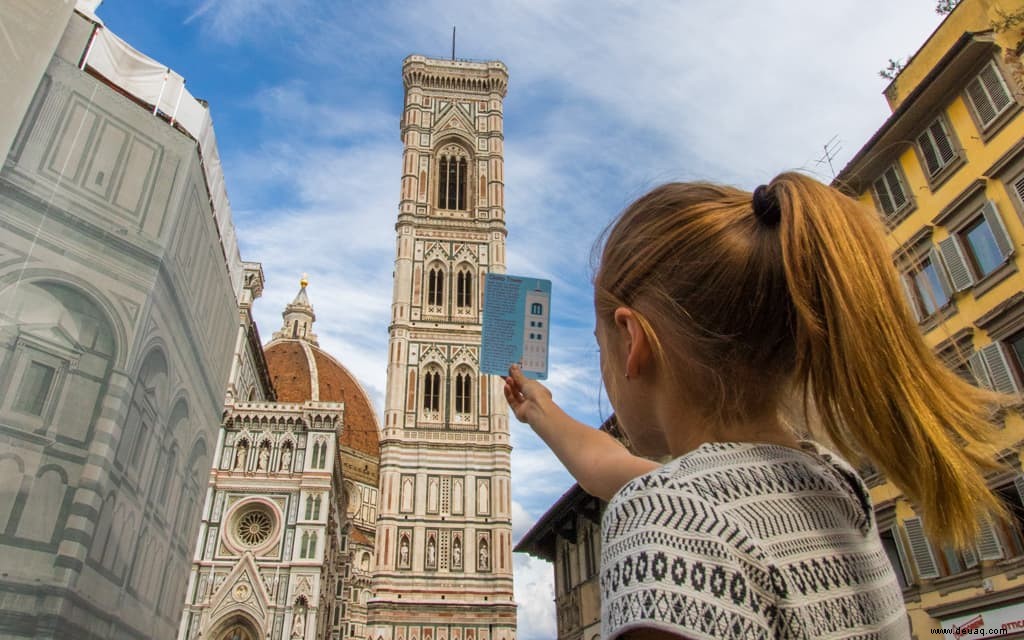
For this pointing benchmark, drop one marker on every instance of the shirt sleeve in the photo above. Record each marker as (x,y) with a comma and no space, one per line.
(670,561)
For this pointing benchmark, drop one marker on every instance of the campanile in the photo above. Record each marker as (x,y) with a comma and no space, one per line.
(444,535)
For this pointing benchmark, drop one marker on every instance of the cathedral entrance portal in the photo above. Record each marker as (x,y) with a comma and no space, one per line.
(238,628)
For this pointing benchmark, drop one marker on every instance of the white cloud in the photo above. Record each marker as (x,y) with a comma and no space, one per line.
(535,596)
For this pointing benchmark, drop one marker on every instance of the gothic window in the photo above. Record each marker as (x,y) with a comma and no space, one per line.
(452,175)
(463,395)
(464,290)
(536,309)
(308,547)
(319,457)
(309,507)
(432,394)
(435,289)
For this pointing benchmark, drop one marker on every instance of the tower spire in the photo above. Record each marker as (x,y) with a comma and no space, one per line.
(298,317)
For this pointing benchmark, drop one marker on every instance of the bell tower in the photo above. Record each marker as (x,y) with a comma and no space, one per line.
(444,535)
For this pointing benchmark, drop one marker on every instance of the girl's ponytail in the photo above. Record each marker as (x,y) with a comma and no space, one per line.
(860,357)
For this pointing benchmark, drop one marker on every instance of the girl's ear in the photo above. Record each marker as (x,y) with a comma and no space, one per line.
(637,346)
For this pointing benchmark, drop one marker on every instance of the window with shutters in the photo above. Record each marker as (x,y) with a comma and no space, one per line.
(938,151)
(984,251)
(927,286)
(891,194)
(1011,533)
(992,369)
(989,97)
(1015,348)
(920,549)
(977,250)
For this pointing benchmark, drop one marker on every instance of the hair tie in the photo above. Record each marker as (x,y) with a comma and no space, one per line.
(766,206)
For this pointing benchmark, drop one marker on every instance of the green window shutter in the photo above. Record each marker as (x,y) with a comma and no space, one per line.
(995,223)
(1000,375)
(936,259)
(956,264)
(921,549)
(931,156)
(942,141)
(989,94)
(982,104)
(979,370)
(884,199)
(908,291)
(1018,188)
(970,558)
(896,190)
(901,551)
(989,546)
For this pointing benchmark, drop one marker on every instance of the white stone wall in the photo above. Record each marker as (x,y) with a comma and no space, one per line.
(117,324)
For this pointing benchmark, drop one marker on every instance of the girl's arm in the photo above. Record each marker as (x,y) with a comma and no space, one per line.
(599,462)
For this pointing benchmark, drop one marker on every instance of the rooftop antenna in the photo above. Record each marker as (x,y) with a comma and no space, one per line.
(832,148)
(453,43)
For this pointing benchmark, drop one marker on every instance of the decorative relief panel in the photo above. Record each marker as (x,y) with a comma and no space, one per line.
(106,161)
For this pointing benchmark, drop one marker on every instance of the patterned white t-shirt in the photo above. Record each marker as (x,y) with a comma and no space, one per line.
(748,540)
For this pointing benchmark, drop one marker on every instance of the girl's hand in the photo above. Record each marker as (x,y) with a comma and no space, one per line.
(527,398)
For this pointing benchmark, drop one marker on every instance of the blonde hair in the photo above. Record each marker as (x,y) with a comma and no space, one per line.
(740,313)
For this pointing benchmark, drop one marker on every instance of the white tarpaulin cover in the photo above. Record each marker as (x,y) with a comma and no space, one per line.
(164,90)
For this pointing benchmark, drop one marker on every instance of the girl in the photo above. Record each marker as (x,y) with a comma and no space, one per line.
(713,307)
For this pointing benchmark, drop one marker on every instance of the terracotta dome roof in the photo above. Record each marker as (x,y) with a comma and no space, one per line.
(292,365)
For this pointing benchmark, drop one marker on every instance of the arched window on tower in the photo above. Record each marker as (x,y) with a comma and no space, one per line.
(463,395)
(432,393)
(435,289)
(464,290)
(451,188)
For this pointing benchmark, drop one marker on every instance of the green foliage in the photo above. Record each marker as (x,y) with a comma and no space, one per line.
(892,69)
(945,7)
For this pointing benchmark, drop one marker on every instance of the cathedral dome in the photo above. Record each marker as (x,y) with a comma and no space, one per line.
(300,370)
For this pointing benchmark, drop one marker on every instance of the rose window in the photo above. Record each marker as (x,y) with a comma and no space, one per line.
(254,527)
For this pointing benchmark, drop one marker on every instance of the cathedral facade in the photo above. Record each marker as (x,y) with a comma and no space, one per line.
(285,545)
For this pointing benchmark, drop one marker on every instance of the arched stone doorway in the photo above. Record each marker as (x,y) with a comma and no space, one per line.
(237,627)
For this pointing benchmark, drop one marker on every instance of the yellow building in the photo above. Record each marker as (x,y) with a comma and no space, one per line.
(946,172)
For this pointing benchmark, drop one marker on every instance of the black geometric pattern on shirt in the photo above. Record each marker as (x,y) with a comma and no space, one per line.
(688,613)
(736,541)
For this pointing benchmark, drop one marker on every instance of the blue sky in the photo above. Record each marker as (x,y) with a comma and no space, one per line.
(606,99)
